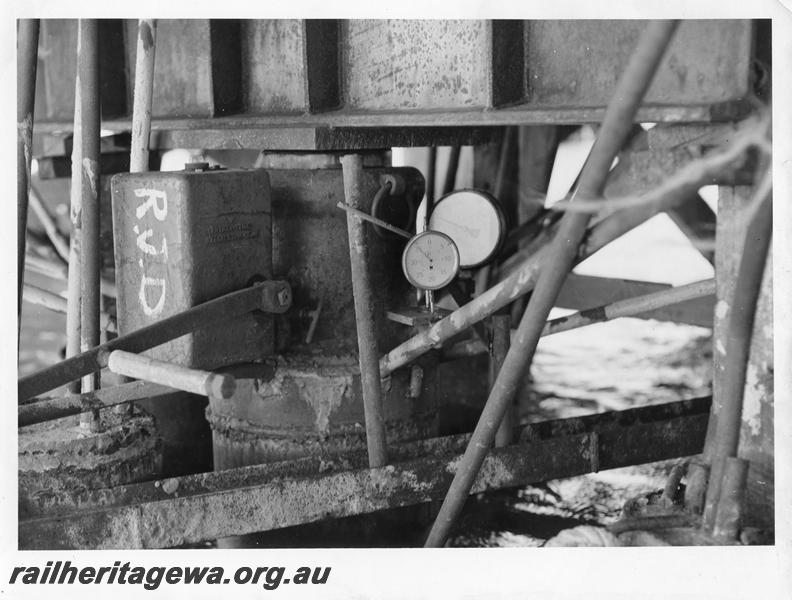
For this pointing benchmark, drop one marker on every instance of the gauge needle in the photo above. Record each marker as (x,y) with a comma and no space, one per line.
(422,251)
(471,231)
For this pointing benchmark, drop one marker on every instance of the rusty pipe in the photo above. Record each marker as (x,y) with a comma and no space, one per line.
(352,167)
(731,503)
(759,228)
(616,126)
(269,296)
(88,77)
(194,381)
(142,99)
(27,61)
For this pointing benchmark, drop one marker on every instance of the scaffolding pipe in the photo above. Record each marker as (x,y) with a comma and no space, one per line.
(268,296)
(144,87)
(616,126)
(45,267)
(352,167)
(73,288)
(501,340)
(27,61)
(88,76)
(759,228)
(628,307)
(56,303)
(194,381)
(731,504)
(60,245)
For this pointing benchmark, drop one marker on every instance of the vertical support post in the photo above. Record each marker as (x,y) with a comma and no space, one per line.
(616,126)
(73,324)
(27,60)
(352,167)
(724,438)
(728,519)
(144,88)
(501,339)
(88,76)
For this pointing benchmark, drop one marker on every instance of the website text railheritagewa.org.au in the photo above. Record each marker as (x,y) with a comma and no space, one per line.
(65,573)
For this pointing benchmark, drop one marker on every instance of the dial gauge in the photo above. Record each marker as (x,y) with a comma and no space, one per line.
(430,260)
(474,221)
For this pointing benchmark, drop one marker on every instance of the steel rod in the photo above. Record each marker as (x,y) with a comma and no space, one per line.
(195,381)
(748,283)
(375,221)
(631,306)
(352,167)
(27,61)
(56,303)
(431,174)
(88,76)
(60,245)
(269,296)
(74,287)
(144,88)
(56,271)
(45,298)
(451,171)
(628,307)
(501,340)
(616,126)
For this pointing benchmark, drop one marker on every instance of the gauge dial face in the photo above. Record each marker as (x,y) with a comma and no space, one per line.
(474,221)
(430,260)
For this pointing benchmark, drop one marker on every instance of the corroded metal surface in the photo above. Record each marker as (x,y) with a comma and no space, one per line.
(574,63)
(176,511)
(409,64)
(311,405)
(273,66)
(60,458)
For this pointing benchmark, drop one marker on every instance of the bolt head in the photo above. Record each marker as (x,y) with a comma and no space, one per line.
(284,297)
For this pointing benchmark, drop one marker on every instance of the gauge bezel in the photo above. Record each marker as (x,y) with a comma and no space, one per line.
(412,241)
(498,212)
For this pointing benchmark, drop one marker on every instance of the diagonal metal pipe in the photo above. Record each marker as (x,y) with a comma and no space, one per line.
(615,128)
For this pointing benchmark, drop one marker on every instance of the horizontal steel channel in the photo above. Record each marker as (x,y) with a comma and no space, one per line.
(262,296)
(264,497)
